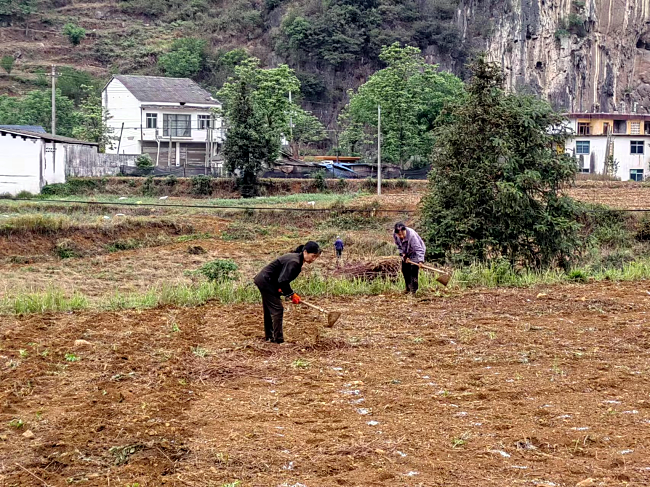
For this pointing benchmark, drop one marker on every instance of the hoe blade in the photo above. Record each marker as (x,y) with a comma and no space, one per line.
(443,279)
(332,318)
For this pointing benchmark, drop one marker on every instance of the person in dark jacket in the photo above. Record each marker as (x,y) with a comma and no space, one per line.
(274,281)
(338,246)
(411,248)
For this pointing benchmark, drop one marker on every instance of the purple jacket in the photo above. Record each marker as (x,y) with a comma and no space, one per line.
(412,246)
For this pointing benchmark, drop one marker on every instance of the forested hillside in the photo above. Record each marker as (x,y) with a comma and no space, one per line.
(333,46)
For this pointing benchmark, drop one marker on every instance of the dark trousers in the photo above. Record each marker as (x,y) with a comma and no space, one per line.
(273,314)
(410,272)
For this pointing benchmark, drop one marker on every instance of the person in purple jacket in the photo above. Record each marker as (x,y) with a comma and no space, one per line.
(410,247)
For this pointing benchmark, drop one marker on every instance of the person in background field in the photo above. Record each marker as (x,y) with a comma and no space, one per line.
(410,247)
(274,281)
(338,246)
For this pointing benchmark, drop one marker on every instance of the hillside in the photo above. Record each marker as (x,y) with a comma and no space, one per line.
(580,55)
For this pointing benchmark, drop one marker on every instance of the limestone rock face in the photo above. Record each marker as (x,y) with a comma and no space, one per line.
(583,55)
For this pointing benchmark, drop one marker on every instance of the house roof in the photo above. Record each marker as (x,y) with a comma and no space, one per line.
(165,90)
(30,128)
(45,136)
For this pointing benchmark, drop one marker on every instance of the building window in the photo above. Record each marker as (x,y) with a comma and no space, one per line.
(584,128)
(606,128)
(636,174)
(620,127)
(636,147)
(177,125)
(582,147)
(152,120)
(635,128)
(204,122)
(646,128)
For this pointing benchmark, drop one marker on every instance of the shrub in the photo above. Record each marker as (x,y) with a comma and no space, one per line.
(149,187)
(171,180)
(342,184)
(24,195)
(561,33)
(220,270)
(66,249)
(202,185)
(319,180)
(7,63)
(74,33)
(185,58)
(143,161)
(402,183)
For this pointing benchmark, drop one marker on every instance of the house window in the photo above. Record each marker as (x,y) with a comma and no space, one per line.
(620,127)
(635,128)
(582,147)
(636,147)
(646,128)
(152,120)
(204,122)
(606,128)
(584,128)
(176,125)
(636,174)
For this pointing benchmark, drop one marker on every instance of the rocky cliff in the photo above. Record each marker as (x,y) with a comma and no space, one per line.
(589,55)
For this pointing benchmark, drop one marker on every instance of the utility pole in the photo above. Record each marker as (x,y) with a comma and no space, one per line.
(53,99)
(291,126)
(379,149)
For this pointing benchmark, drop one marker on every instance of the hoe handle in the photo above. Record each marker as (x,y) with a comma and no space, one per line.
(314,306)
(424,266)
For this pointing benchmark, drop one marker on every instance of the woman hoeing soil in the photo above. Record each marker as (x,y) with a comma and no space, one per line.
(274,281)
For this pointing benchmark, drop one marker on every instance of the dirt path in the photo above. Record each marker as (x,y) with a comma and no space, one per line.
(485,388)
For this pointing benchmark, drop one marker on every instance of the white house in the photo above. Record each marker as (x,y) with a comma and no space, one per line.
(623,136)
(151,114)
(30,160)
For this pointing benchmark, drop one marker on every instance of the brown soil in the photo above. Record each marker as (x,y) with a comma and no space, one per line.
(26,246)
(489,388)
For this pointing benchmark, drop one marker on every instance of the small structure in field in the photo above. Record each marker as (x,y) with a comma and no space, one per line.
(30,160)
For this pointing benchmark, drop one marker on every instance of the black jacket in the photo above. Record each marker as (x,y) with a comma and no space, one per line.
(279,274)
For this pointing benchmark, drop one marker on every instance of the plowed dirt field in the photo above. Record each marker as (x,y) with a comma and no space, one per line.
(546,387)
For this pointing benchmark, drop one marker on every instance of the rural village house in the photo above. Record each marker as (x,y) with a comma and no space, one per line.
(30,160)
(621,136)
(151,115)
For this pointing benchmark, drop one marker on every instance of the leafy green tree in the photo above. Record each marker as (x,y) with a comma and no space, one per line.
(7,63)
(307,129)
(92,122)
(495,188)
(16,9)
(268,90)
(76,84)
(35,108)
(411,93)
(185,59)
(74,33)
(249,143)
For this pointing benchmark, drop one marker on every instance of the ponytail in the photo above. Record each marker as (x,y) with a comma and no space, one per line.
(299,249)
(310,247)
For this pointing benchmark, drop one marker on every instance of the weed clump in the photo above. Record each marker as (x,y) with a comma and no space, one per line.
(220,270)
(202,185)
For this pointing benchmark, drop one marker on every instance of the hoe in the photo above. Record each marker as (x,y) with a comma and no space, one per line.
(332,316)
(443,278)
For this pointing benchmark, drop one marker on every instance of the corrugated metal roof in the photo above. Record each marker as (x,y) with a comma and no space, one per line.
(30,128)
(160,89)
(45,136)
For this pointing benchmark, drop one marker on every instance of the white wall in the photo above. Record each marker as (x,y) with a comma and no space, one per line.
(53,162)
(626,160)
(122,106)
(19,164)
